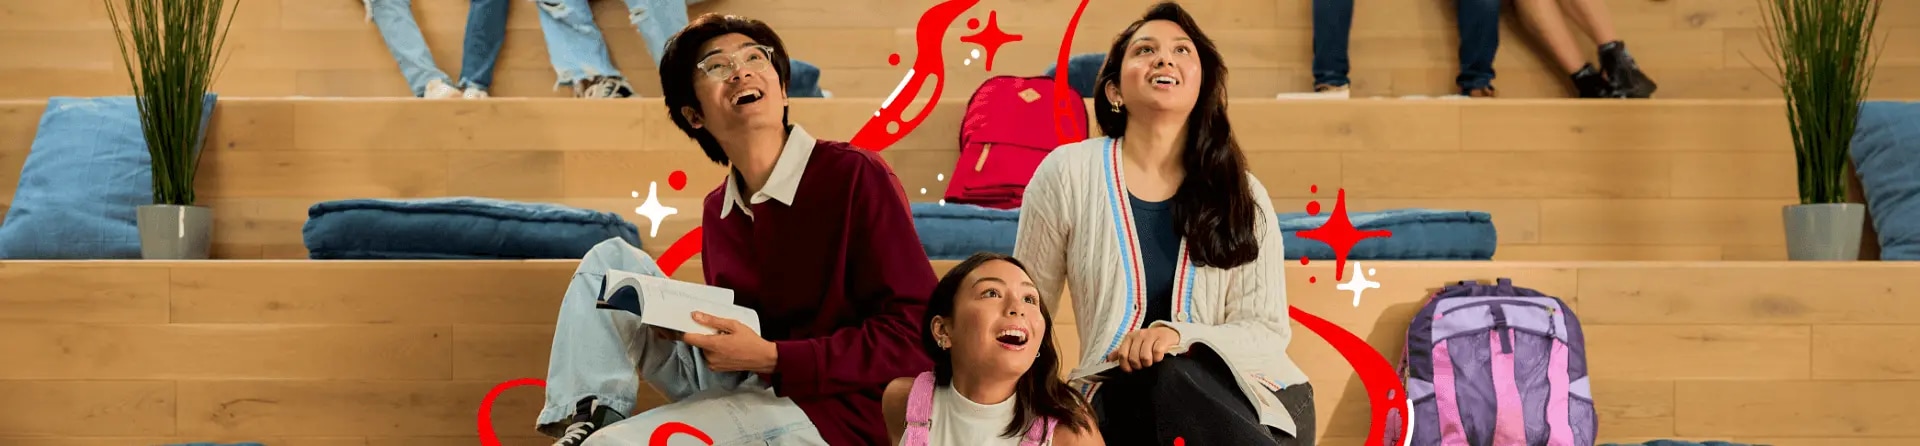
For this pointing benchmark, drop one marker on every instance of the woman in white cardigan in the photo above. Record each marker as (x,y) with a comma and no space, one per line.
(1169,247)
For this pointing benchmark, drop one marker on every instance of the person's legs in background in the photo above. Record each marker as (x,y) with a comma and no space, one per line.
(486,30)
(1479,42)
(1545,18)
(578,51)
(402,34)
(1332,28)
(1622,72)
(599,356)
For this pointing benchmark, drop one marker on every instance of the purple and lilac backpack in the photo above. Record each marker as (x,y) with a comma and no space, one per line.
(1496,365)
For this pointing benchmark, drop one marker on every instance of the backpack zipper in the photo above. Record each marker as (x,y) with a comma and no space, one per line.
(982,162)
(1500,326)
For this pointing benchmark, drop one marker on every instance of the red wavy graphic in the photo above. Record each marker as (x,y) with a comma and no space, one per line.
(927,61)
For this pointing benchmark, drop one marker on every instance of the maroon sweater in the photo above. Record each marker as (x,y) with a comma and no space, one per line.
(840,282)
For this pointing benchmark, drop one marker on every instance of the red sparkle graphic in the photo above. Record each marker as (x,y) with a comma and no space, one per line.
(1313,208)
(677,180)
(1338,232)
(1179,441)
(1313,279)
(893,59)
(991,38)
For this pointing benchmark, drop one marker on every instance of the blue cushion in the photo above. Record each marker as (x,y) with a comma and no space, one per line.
(1886,155)
(457,228)
(1418,234)
(956,231)
(86,172)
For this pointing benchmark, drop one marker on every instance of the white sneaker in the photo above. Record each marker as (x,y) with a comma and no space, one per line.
(603,88)
(1323,92)
(438,89)
(826,94)
(474,93)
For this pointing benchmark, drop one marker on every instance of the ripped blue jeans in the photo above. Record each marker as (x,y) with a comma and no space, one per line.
(606,353)
(486,29)
(578,51)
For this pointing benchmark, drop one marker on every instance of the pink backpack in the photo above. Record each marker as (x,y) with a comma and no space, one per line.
(1007,130)
(920,417)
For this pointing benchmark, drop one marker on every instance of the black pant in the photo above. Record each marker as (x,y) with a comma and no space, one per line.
(1194,396)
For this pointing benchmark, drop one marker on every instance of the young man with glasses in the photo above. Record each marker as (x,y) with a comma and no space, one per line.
(813,235)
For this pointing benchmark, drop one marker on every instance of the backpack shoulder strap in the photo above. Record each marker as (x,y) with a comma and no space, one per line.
(1041,433)
(919,411)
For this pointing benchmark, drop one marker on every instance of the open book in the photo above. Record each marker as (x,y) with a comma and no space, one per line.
(1108,369)
(670,303)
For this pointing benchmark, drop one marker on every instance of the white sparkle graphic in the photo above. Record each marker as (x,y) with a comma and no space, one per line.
(1359,283)
(652,209)
(975,53)
(923,191)
(966,61)
(940,176)
(943,202)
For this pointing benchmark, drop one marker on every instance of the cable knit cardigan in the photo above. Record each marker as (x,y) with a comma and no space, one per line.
(1076,230)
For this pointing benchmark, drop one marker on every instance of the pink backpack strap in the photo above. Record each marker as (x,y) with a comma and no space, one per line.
(919,411)
(1041,433)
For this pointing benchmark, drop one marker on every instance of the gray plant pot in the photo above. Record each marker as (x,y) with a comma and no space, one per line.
(174,232)
(1828,231)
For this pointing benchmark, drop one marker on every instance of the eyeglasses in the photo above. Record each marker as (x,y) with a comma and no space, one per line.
(723,66)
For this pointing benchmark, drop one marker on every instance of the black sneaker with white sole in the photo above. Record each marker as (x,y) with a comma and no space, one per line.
(589,415)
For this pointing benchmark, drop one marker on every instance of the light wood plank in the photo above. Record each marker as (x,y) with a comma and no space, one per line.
(1748,293)
(1505,175)
(501,352)
(309,174)
(1735,175)
(371,408)
(64,292)
(1866,352)
(504,292)
(1662,221)
(1634,408)
(1519,252)
(224,352)
(1682,352)
(1798,408)
(1624,126)
(72,408)
(1344,126)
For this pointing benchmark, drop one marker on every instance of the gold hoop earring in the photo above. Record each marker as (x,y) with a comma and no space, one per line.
(1115,107)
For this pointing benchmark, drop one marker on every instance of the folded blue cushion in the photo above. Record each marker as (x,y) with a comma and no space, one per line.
(457,228)
(87,171)
(1886,155)
(1418,234)
(956,231)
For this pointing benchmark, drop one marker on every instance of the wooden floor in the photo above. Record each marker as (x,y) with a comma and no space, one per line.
(1695,49)
(392,353)
(1564,179)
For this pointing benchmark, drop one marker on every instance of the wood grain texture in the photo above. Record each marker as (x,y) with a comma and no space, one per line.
(400,352)
(1564,180)
(1702,49)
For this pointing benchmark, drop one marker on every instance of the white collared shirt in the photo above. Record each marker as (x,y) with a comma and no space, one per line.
(782,184)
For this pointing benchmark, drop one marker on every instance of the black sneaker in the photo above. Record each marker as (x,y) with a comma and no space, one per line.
(1591,84)
(588,417)
(1623,73)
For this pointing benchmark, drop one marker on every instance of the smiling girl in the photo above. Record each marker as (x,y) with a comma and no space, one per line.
(996,376)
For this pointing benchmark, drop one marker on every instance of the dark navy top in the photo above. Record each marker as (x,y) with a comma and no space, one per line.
(1159,252)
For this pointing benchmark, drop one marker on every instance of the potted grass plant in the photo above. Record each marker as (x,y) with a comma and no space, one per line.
(1823,51)
(170,48)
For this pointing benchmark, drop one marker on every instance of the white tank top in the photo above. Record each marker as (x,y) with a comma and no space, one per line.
(940,416)
(959,421)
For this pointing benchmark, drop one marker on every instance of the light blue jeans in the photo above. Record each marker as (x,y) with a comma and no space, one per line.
(578,51)
(596,352)
(486,30)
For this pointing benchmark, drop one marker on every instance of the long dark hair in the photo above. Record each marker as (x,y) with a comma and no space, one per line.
(1213,207)
(1041,392)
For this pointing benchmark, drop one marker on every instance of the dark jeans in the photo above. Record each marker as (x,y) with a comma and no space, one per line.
(1194,397)
(1479,22)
